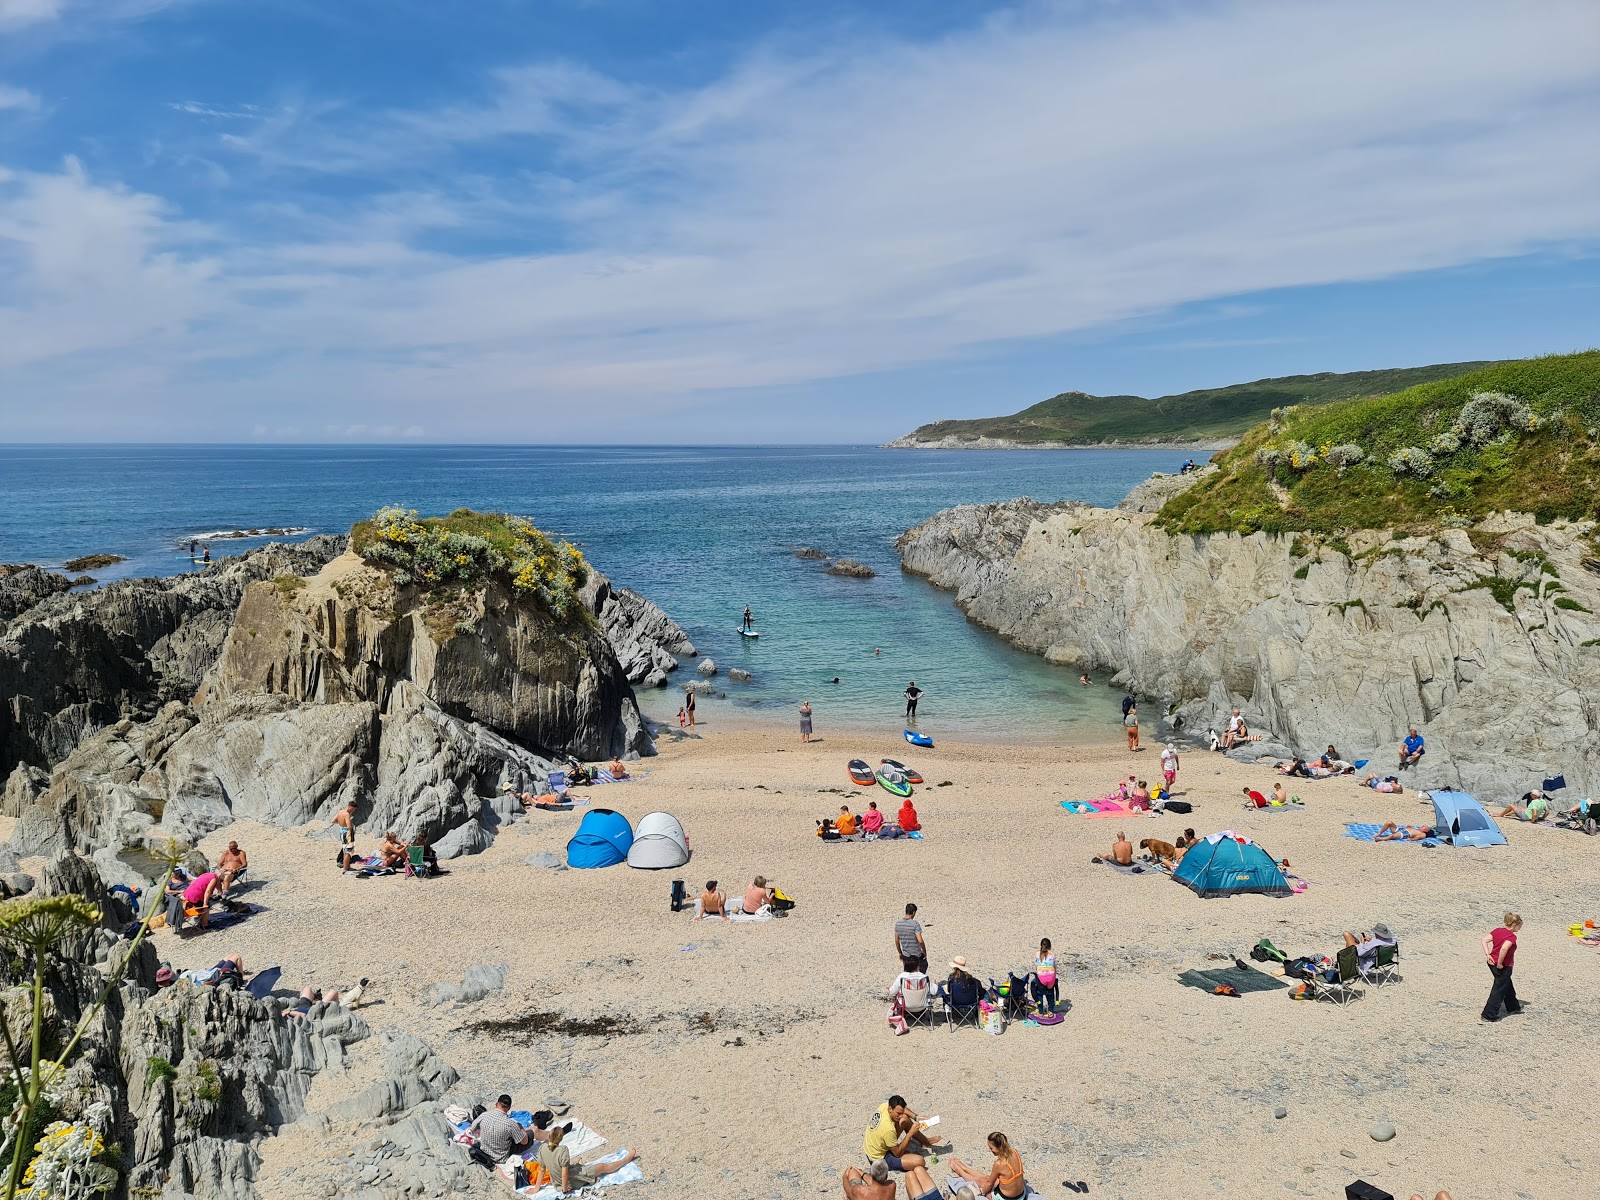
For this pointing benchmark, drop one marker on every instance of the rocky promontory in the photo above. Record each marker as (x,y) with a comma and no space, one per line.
(295,680)
(1482,638)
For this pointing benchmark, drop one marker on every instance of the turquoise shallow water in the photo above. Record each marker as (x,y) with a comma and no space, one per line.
(703,531)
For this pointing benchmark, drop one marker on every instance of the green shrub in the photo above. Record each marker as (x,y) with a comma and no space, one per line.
(158,1068)
(436,554)
(1570,605)
(1302,571)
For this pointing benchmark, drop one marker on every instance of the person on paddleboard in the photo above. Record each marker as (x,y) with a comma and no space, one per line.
(749,620)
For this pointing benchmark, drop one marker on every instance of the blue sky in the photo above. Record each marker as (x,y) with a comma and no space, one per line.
(664,221)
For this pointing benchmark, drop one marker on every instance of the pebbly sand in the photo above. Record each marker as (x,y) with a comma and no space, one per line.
(761,1049)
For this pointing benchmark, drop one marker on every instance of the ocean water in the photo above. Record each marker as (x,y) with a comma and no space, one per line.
(702,531)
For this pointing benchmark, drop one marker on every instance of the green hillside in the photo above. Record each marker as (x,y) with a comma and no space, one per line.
(1208,415)
(1521,435)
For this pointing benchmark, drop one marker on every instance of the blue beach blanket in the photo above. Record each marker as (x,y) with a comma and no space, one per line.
(261,986)
(1369,833)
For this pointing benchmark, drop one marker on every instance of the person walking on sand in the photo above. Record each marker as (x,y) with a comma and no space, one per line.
(688,704)
(913,694)
(805,722)
(1500,950)
(1131,724)
(1169,764)
(749,619)
(909,942)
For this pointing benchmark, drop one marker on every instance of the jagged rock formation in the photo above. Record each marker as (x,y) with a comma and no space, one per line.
(646,641)
(23,585)
(1149,496)
(1485,642)
(349,635)
(197,1077)
(74,663)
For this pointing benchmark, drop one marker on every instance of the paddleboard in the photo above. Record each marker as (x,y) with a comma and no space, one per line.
(911,776)
(860,773)
(894,783)
(749,633)
(918,739)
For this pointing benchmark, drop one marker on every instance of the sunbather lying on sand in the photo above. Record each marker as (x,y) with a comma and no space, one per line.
(1391,784)
(1535,807)
(1393,831)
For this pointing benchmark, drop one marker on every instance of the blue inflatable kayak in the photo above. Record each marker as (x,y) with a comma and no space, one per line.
(918,739)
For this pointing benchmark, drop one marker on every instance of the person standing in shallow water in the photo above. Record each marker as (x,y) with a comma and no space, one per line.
(805,721)
(688,704)
(913,694)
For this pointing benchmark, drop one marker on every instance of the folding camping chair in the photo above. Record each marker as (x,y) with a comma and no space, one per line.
(557,783)
(917,995)
(961,1007)
(416,864)
(1384,963)
(1341,990)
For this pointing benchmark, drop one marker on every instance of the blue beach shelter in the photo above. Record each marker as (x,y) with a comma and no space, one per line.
(1226,865)
(1462,819)
(602,840)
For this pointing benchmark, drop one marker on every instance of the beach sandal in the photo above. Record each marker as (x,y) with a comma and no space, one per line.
(1225,989)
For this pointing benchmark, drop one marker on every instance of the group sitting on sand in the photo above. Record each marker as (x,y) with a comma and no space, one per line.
(895,1141)
(870,825)
(713,903)
(501,1138)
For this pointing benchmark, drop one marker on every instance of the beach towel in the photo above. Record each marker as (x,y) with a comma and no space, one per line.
(1369,833)
(631,1173)
(221,920)
(601,775)
(261,986)
(1077,806)
(1130,869)
(1242,981)
(1277,808)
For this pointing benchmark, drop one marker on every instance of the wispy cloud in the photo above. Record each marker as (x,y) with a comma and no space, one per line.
(17,98)
(14,14)
(861,207)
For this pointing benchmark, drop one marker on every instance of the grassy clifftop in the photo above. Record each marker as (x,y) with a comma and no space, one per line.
(1208,415)
(1521,435)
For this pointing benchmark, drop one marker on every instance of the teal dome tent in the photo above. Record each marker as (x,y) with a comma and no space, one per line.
(1228,864)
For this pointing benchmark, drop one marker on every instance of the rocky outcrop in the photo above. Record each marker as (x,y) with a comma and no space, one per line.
(482,654)
(23,585)
(851,568)
(1485,642)
(645,640)
(74,663)
(193,1079)
(1149,496)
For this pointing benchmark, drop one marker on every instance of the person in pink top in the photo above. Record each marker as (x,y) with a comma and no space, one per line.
(199,893)
(757,894)
(1500,949)
(872,819)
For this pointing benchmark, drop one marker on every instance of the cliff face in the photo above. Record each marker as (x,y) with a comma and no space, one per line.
(350,636)
(73,663)
(1482,649)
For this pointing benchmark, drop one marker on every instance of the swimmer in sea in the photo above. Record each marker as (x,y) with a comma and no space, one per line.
(835,679)
(1084,679)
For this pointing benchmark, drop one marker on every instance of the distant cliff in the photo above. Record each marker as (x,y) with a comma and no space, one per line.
(1484,639)
(1209,419)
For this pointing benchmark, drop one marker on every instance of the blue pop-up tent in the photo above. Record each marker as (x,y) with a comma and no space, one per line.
(1225,864)
(602,840)
(1463,820)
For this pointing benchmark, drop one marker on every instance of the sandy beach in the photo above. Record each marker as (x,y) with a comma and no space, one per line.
(751,1055)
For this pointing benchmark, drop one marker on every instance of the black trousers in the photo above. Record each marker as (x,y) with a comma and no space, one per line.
(911,710)
(1502,991)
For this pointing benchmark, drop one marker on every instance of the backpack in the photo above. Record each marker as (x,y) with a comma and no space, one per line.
(1178,806)
(1303,967)
(780,902)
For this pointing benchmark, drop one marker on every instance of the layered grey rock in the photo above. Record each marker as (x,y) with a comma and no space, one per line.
(76,662)
(23,585)
(1317,646)
(646,641)
(485,655)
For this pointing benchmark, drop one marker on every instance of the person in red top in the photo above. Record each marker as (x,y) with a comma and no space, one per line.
(1500,949)
(908,817)
(1255,797)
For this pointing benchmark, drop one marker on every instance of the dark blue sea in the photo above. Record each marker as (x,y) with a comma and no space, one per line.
(703,531)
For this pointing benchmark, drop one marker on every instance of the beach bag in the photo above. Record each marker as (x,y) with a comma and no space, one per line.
(1178,806)
(991,1018)
(780,902)
(897,1017)
(1300,968)
(1265,951)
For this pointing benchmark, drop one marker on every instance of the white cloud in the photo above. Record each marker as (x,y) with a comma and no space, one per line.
(17,98)
(14,14)
(867,206)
